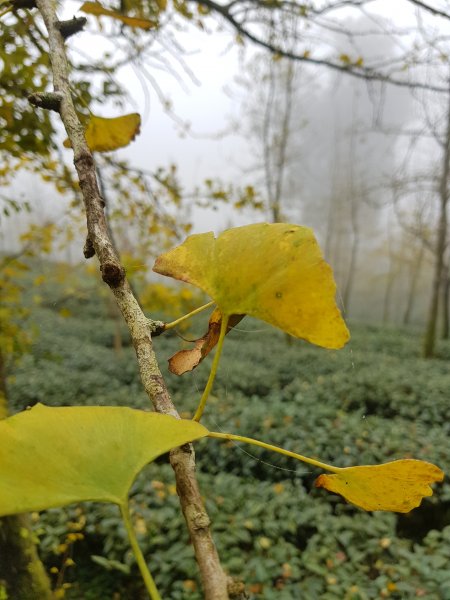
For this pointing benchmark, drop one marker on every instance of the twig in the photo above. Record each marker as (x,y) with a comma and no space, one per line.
(189,315)
(240,25)
(182,459)
(213,372)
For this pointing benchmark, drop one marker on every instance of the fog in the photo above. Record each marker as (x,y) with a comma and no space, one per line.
(346,148)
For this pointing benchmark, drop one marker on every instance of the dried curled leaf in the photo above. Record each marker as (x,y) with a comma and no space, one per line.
(274,272)
(106,134)
(398,486)
(55,456)
(186,360)
(96,9)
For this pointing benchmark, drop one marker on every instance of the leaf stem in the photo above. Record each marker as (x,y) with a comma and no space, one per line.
(5,11)
(247,440)
(146,575)
(212,373)
(173,324)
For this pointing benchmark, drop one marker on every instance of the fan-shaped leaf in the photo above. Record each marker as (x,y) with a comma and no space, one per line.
(95,8)
(54,456)
(398,486)
(274,272)
(104,134)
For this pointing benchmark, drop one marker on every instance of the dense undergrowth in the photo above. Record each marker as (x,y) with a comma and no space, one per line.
(375,400)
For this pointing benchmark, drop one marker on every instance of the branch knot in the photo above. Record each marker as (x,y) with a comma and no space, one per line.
(23,4)
(46,100)
(113,274)
(88,249)
(156,327)
(71,26)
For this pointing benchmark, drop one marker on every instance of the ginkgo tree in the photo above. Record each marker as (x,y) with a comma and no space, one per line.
(56,456)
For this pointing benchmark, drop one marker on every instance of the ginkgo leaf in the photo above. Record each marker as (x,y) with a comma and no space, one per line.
(95,8)
(55,456)
(274,272)
(106,134)
(186,360)
(398,486)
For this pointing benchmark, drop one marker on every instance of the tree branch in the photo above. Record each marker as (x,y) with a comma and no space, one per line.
(434,11)
(359,71)
(182,459)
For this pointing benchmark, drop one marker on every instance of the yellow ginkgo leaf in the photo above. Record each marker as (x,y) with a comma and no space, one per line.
(104,134)
(274,272)
(55,456)
(95,8)
(398,486)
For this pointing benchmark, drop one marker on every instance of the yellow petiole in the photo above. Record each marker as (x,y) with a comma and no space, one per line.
(173,324)
(212,374)
(146,575)
(247,440)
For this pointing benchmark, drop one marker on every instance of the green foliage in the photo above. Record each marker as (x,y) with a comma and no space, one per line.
(268,525)
(23,130)
(13,338)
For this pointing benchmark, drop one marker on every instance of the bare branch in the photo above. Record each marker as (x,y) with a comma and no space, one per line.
(182,459)
(236,13)
(431,9)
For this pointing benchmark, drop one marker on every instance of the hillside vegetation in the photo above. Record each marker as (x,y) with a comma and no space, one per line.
(374,401)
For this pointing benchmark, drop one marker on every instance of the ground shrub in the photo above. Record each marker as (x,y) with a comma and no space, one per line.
(374,401)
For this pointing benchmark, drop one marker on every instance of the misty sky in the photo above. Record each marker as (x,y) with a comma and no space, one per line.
(201,100)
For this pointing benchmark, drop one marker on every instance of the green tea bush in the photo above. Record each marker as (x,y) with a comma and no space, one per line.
(276,536)
(373,402)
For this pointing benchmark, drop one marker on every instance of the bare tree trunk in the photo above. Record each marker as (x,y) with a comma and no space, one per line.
(22,575)
(430,333)
(415,273)
(351,270)
(267,140)
(388,296)
(276,145)
(354,213)
(389,284)
(445,303)
(284,141)
(332,199)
